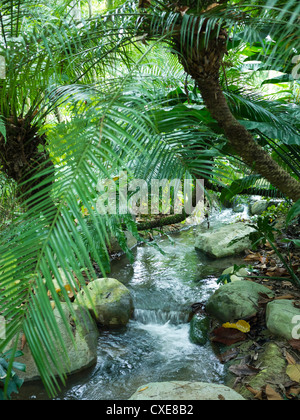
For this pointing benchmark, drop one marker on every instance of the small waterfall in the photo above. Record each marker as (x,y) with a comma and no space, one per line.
(160,317)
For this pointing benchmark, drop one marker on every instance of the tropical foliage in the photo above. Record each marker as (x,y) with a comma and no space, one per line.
(89,93)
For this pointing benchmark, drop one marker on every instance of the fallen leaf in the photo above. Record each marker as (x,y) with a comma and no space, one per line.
(285,297)
(294,391)
(293,371)
(244,370)
(290,359)
(23,342)
(295,344)
(241,325)
(257,394)
(69,291)
(264,299)
(228,336)
(183,10)
(143,389)
(253,257)
(287,284)
(228,355)
(279,272)
(212,6)
(272,395)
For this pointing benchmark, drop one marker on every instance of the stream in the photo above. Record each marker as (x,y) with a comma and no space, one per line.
(155,346)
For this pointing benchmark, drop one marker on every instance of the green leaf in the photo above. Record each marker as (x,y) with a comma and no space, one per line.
(293,213)
(238,186)
(2,128)
(285,78)
(270,130)
(296,242)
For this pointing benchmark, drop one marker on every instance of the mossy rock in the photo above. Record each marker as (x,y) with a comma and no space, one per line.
(235,301)
(185,391)
(282,317)
(273,370)
(199,329)
(109,302)
(81,350)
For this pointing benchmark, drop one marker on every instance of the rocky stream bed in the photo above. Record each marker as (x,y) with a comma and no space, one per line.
(159,323)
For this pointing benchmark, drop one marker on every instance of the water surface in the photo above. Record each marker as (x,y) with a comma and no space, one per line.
(155,346)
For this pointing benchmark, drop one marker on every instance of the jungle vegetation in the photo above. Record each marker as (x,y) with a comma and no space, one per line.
(161,89)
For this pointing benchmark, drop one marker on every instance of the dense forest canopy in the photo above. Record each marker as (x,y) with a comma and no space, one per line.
(187,89)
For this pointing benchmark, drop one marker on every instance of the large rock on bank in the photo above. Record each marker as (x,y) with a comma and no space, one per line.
(235,301)
(188,391)
(283,319)
(108,301)
(82,355)
(261,206)
(218,243)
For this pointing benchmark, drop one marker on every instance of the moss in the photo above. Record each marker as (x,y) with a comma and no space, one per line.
(199,330)
(273,367)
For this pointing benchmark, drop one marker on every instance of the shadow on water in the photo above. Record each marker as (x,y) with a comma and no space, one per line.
(155,346)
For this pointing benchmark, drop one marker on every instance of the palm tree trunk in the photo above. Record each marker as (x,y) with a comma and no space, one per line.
(204,64)
(243,142)
(25,159)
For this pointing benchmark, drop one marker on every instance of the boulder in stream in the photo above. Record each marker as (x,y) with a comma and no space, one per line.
(261,206)
(199,329)
(218,243)
(108,301)
(81,356)
(185,391)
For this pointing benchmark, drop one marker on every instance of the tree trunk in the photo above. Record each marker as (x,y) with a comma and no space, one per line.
(204,64)
(24,159)
(243,142)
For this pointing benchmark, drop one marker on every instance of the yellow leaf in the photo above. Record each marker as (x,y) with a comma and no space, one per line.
(293,371)
(68,288)
(241,325)
(143,389)
(228,325)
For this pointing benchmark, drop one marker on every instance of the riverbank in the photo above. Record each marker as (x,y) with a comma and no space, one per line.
(165,279)
(264,362)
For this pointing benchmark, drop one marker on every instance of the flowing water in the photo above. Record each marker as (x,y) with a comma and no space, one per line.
(155,346)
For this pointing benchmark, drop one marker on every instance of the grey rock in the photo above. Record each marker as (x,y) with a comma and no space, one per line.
(188,391)
(82,356)
(261,206)
(235,301)
(199,329)
(218,244)
(283,319)
(108,300)
(114,246)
